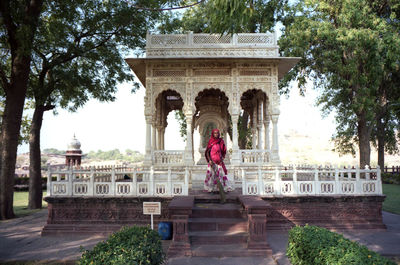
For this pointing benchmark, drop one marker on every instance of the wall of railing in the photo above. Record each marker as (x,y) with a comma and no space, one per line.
(168,157)
(190,45)
(116,181)
(321,181)
(247,157)
(255,180)
(198,40)
(255,156)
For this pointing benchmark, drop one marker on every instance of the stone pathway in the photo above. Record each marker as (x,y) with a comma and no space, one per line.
(20,240)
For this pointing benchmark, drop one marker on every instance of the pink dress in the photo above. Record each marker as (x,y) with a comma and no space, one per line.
(216,171)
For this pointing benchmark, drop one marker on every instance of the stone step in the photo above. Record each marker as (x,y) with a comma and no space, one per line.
(217,237)
(216,210)
(215,199)
(218,224)
(228,250)
(204,197)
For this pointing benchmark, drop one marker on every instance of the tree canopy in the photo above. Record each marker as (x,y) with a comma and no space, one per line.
(225,16)
(349,52)
(78,54)
(77,50)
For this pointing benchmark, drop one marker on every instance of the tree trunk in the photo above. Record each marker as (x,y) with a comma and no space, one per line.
(364,134)
(14,105)
(381,143)
(243,130)
(35,172)
(20,40)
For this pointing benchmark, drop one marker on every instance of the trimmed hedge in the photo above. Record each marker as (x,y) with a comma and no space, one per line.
(22,184)
(25,181)
(130,245)
(315,245)
(389,178)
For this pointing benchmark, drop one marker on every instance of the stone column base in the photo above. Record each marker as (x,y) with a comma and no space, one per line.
(180,208)
(179,249)
(256,210)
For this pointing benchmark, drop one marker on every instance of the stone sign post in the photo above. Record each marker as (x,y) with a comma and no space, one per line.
(152,208)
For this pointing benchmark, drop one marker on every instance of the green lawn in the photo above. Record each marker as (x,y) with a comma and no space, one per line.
(21,203)
(392,201)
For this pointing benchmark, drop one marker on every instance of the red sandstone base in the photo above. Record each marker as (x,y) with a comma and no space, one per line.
(106,215)
(99,215)
(334,212)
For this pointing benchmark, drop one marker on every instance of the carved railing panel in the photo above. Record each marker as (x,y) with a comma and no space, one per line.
(115,181)
(305,181)
(167,157)
(214,45)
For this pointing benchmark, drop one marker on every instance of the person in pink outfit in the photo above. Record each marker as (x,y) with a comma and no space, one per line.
(215,154)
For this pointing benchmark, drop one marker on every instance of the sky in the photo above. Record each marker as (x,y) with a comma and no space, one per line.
(121,124)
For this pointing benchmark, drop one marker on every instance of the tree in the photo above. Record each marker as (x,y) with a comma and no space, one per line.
(180,117)
(226,16)
(79,54)
(347,50)
(384,136)
(25,122)
(53,151)
(130,155)
(19,21)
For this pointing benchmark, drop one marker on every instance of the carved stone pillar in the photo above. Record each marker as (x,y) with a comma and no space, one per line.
(235,145)
(147,157)
(266,133)
(254,128)
(162,138)
(275,144)
(260,125)
(154,138)
(189,137)
(159,138)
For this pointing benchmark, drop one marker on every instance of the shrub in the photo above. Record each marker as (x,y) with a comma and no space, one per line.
(389,178)
(22,184)
(315,245)
(130,245)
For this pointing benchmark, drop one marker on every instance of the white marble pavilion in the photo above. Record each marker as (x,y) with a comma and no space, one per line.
(212,78)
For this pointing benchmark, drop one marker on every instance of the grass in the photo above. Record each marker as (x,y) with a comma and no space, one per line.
(21,203)
(392,201)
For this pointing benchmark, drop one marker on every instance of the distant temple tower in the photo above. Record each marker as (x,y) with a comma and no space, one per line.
(74,153)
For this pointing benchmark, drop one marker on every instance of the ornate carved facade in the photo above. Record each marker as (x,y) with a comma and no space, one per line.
(212,79)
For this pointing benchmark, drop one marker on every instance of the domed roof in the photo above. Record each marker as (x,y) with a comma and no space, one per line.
(74,144)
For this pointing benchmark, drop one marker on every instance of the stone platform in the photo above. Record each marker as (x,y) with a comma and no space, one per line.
(204,227)
(99,215)
(332,212)
(107,214)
